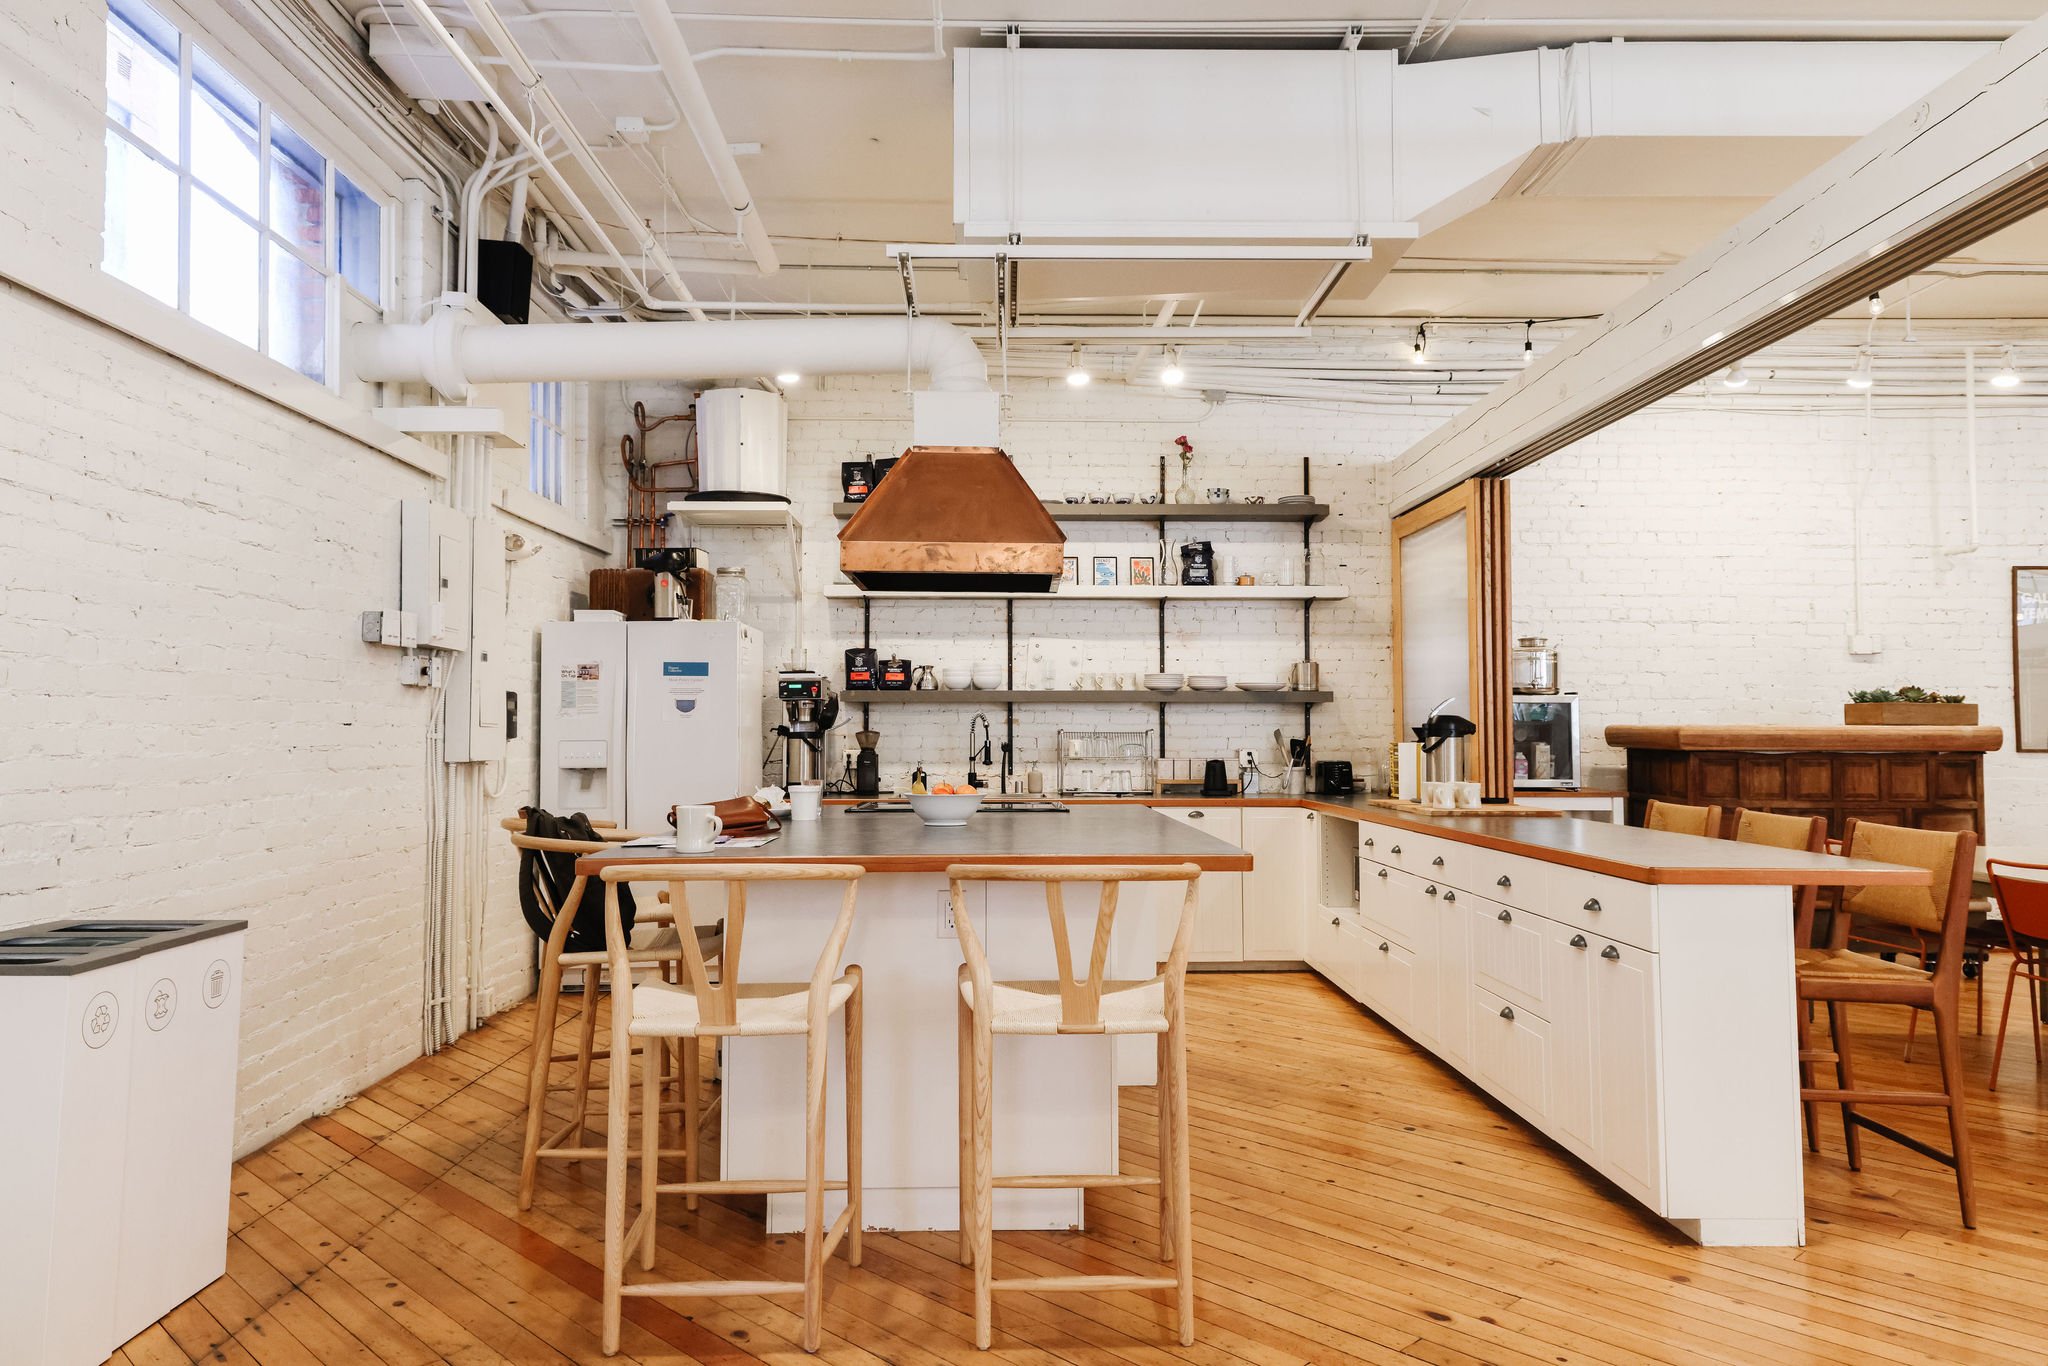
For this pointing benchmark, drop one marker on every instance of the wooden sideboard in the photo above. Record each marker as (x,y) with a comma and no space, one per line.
(1926,776)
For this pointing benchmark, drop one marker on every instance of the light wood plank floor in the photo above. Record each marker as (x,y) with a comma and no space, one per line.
(1354,1201)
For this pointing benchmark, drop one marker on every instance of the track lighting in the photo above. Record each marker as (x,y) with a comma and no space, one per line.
(1860,377)
(1076,374)
(1420,355)
(788,377)
(1172,374)
(2008,376)
(1529,343)
(1736,377)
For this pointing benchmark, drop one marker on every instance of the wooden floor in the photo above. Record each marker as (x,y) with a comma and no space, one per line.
(1354,1201)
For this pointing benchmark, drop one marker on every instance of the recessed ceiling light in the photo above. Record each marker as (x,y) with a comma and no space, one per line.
(1710,339)
(1076,375)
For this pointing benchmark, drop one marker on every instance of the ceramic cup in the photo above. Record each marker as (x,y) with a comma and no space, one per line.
(806,801)
(697,829)
(1468,794)
(1219,495)
(1437,794)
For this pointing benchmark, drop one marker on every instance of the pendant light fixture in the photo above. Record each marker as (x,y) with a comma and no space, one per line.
(1420,355)
(2008,374)
(1528,343)
(1860,377)
(1172,374)
(1735,377)
(1077,375)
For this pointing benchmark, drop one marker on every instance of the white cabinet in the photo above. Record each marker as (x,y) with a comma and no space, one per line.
(1511,1054)
(1628,1132)
(1387,979)
(1277,891)
(1219,914)
(1568,960)
(1321,949)
(1507,953)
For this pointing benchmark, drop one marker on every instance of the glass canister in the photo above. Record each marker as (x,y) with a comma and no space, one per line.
(1533,665)
(732,593)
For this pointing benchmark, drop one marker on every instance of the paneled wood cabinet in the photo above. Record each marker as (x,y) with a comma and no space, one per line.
(1260,916)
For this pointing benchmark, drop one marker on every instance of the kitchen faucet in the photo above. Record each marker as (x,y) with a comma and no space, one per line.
(982,754)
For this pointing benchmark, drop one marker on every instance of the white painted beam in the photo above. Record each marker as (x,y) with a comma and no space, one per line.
(1968,158)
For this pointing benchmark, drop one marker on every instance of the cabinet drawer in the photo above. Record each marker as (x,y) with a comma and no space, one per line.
(1604,905)
(1511,1054)
(1508,958)
(1508,879)
(1387,980)
(1405,850)
(1399,905)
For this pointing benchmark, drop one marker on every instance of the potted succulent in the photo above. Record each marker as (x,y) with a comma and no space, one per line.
(1907,706)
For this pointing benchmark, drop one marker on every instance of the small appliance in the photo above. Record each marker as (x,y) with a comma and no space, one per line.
(812,708)
(671,603)
(1546,741)
(867,765)
(1215,779)
(1333,777)
(1446,746)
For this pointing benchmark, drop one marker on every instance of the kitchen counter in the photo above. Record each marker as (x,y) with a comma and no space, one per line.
(1858,739)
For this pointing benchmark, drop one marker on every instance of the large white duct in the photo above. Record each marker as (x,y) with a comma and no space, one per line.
(451,353)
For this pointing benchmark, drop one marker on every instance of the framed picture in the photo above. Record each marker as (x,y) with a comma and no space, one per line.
(1144,571)
(1105,571)
(1071,569)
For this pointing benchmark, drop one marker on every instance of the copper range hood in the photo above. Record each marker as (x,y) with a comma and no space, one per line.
(953,519)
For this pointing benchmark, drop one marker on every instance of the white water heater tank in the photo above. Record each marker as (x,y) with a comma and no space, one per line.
(742,444)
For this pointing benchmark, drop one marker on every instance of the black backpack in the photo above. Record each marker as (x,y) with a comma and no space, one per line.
(545,879)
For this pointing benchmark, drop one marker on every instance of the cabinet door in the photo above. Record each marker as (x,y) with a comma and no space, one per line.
(1569,954)
(1351,948)
(1219,913)
(1387,979)
(1507,953)
(1451,962)
(1277,890)
(1511,1054)
(1320,950)
(1629,1129)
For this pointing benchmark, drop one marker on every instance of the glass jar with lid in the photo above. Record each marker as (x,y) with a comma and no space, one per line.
(1533,665)
(732,593)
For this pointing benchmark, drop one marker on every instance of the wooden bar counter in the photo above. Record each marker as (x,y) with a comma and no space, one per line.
(1926,776)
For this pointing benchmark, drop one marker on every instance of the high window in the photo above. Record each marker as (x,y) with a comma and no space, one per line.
(554,466)
(219,208)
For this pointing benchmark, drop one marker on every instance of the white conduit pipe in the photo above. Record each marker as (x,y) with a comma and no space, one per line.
(451,354)
(679,73)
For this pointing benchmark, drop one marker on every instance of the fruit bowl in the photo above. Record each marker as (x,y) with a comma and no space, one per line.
(943,808)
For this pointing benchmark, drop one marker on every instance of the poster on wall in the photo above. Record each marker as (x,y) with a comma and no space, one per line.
(1105,571)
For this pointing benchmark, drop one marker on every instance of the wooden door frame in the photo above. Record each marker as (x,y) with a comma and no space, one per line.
(1488,617)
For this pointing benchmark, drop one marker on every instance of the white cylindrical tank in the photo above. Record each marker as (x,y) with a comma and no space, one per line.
(742,444)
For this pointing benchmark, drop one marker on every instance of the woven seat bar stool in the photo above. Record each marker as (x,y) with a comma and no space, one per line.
(698,1009)
(1086,1005)
(1808,833)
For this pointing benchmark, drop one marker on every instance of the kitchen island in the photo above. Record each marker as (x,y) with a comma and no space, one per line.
(1055,1104)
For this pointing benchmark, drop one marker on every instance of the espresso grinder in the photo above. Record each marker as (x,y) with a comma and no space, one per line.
(867,765)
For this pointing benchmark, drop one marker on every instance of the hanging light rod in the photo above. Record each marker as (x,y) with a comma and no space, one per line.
(1153,251)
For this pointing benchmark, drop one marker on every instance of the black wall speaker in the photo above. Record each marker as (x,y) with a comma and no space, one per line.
(504,278)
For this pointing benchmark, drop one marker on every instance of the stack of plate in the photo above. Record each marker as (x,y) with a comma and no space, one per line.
(1294,498)
(1164,682)
(1261,684)
(1208,682)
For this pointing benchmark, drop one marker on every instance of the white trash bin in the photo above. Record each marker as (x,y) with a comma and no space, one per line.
(120,1083)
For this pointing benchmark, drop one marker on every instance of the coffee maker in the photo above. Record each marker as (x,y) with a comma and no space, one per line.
(813,708)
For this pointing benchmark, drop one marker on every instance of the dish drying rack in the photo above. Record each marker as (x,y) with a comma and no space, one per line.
(1106,763)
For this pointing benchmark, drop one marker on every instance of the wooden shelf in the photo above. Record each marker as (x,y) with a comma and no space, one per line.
(1166,512)
(733,512)
(1142,697)
(1125,593)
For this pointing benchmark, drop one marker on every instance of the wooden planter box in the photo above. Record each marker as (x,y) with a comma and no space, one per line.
(1909,713)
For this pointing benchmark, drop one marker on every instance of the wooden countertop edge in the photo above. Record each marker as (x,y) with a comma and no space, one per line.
(1821,738)
(590,864)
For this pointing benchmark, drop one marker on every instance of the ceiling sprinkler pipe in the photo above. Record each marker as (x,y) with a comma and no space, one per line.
(451,354)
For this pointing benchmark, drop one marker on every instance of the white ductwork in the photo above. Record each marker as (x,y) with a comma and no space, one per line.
(451,353)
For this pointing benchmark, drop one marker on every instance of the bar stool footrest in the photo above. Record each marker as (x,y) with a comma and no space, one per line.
(1048,1284)
(1108,1179)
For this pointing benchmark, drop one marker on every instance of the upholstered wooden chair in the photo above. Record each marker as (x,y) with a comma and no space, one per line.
(701,1008)
(1092,1005)
(1808,833)
(2021,891)
(1683,820)
(1840,976)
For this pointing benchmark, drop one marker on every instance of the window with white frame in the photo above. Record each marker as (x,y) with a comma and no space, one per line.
(218,207)
(554,451)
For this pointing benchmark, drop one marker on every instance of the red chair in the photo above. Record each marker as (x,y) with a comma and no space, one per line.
(2023,904)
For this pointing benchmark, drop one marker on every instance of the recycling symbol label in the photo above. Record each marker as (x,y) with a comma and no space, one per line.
(102,1016)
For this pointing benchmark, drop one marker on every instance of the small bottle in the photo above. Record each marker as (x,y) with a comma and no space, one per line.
(917,783)
(1521,765)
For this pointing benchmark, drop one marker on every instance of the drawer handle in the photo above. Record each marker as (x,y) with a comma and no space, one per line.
(1196,815)
(1506,917)
(1430,890)
(1611,954)
(1449,897)
(1592,903)
(1578,940)
(1503,881)
(1383,946)
(1395,850)
(1383,872)
(1437,862)
(1334,920)
(1368,842)
(1507,1012)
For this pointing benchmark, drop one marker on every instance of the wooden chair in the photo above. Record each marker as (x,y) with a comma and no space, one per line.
(1090,1005)
(1839,977)
(2021,891)
(701,1009)
(1809,833)
(568,1142)
(1683,820)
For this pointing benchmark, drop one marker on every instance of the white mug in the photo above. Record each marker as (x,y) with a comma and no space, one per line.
(1468,794)
(697,829)
(806,801)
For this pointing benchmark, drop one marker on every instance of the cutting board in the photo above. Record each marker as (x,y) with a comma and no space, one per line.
(1418,809)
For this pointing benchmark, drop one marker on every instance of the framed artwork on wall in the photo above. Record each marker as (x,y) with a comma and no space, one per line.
(1144,571)
(1105,571)
(1071,569)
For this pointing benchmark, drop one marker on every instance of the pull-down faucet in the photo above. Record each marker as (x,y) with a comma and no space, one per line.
(982,754)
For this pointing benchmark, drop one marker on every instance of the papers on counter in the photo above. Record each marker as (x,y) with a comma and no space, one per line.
(724,842)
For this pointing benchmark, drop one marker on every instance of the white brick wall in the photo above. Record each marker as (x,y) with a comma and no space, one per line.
(1698,566)
(1105,439)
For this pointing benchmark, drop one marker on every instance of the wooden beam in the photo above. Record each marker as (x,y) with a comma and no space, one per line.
(1962,162)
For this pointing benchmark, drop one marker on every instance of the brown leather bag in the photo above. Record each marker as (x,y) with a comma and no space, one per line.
(739,816)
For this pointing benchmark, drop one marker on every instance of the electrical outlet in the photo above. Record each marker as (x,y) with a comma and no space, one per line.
(1247,759)
(947,929)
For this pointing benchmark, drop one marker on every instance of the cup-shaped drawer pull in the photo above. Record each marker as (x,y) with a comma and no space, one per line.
(1430,890)
(1383,874)
(1395,850)
(1507,1012)
(1592,903)
(1196,815)
(1437,862)
(1449,897)
(1578,940)
(1368,842)
(1335,921)
(1503,881)
(1506,917)
(1383,946)
(1611,954)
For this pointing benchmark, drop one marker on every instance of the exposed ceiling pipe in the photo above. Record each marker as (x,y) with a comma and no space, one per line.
(679,73)
(694,265)
(451,353)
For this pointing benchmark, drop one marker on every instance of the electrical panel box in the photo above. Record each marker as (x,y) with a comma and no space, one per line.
(435,554)
(475,726)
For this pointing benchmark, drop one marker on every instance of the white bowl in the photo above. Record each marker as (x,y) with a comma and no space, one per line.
(943,808)
(988,678)
(1260,684)
(1208,682)
(956,679)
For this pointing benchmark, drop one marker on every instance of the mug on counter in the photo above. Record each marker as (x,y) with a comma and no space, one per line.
(806,801)
(697,828)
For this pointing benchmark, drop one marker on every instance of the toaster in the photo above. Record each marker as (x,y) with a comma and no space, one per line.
(1333,777)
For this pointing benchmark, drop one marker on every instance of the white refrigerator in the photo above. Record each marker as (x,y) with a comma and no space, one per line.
(638,716)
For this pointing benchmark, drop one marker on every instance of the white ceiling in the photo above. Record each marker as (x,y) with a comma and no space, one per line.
(855,154)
